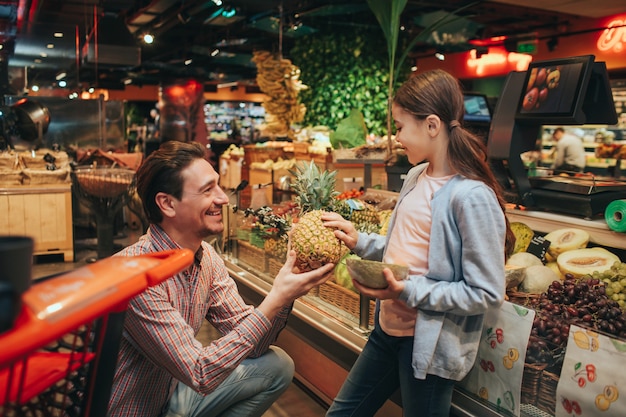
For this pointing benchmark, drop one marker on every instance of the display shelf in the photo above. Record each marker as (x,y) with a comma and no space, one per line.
(545,222)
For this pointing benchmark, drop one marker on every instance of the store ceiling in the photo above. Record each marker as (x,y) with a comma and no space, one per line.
(189,32)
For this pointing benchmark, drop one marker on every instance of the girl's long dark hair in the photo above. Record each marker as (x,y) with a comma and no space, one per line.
(439,93)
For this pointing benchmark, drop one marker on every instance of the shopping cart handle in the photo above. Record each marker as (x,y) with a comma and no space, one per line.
(177,260)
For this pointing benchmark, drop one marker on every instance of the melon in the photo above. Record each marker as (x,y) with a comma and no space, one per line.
(566,239)
(523,236)
(537,280)
(581,262)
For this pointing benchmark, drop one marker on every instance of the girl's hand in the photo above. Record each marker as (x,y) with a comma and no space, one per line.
(392,291)
(344,229)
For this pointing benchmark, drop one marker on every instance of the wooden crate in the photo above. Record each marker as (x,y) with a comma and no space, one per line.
(43,213)
(345,299)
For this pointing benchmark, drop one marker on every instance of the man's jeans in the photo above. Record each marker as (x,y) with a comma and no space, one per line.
(248,391)
(382,367)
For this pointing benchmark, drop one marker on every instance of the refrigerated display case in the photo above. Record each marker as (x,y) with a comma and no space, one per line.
(326,333)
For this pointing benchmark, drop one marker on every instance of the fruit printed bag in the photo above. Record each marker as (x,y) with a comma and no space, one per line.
(592,376)
(497,373)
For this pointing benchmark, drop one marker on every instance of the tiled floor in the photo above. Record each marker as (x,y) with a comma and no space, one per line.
(294,402)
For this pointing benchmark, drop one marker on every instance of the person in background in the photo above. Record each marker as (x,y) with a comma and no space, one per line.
(450,229)
(569,152)
(162,370)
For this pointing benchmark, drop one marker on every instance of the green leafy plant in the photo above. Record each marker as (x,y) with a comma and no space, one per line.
(344,71)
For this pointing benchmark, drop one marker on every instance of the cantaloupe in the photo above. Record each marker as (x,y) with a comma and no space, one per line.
(566,239)
(581,262)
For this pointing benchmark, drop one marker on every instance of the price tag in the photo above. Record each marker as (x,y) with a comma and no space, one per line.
(538,247)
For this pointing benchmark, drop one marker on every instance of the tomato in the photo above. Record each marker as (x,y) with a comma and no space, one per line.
(530,99)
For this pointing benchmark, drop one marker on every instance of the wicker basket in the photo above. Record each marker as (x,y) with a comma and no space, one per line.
(523,298)
(546,398)
(531,380)
(10,177)
(273,265)
(253,256)
(345,299)
(104,182)
(43,176)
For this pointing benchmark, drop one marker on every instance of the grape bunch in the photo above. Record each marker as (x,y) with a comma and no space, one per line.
(573,301)
(615,280)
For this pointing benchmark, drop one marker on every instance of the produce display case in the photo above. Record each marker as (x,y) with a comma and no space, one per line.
(336,333)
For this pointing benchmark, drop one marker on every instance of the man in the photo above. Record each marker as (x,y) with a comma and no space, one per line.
(570,152)
(162,369)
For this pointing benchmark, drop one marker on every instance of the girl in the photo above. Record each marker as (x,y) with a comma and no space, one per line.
(449,227)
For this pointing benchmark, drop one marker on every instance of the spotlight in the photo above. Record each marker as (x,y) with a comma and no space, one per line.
(148,38)
(440,56)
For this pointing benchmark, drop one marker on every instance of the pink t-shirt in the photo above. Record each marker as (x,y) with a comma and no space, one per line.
(408,245)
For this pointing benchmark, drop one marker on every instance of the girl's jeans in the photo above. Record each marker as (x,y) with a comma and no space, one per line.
(382,367)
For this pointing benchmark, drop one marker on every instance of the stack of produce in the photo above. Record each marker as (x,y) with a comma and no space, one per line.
(583,302)
(269,230)
(278,78)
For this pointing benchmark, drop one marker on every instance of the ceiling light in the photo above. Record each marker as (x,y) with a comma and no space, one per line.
(217,2)
(229,12)
(148,38)
(224,85)
(58,34)
(35,88)
(50,46)
(62,83)
(440,56)
(91,90)
(127,81)
(215,52)
(188,61)
(61,75)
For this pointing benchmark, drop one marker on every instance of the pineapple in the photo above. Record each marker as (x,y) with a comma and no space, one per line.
(367,219)
(315,244)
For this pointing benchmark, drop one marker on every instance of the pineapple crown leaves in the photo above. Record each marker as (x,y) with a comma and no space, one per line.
(315,189)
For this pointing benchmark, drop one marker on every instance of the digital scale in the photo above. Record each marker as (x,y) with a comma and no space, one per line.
(586,98)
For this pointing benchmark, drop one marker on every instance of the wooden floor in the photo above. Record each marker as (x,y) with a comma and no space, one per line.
(296,401)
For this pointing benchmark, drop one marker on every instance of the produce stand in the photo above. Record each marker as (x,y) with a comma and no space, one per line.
(59,357)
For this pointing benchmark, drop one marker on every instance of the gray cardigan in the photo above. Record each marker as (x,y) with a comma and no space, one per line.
(465,274)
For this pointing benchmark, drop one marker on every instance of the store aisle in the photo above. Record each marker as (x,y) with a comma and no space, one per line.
(294,402)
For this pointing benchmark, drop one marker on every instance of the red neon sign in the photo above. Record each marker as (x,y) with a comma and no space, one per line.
(497,61)
(613,37)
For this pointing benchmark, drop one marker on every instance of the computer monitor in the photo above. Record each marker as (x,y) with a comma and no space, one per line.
(476,108)
(554,91)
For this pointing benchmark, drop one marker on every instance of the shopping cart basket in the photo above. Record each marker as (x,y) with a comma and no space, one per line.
(59,357)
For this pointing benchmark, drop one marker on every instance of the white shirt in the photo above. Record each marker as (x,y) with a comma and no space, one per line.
(408,245)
